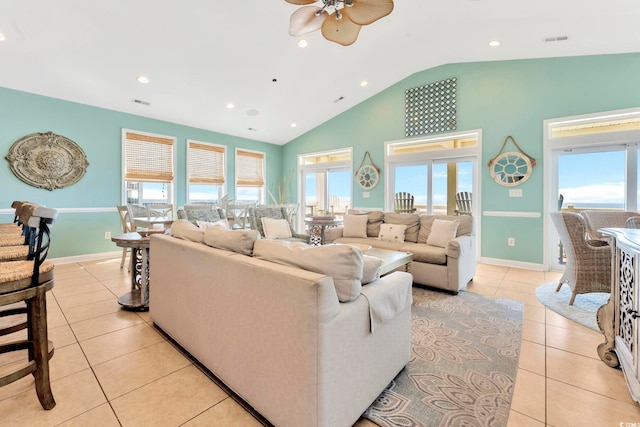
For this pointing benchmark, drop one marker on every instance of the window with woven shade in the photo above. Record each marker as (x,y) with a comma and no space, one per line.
(205,172)
(249,176)
(148,167)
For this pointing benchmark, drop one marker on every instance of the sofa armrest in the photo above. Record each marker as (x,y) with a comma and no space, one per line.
(459,247)
(304,237)
(332,233)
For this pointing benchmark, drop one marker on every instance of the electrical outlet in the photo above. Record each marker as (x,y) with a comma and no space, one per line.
(107,235)
(511,241)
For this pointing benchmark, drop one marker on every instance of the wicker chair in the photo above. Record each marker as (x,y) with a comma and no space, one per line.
(588,267)
(596,220)
(632,222)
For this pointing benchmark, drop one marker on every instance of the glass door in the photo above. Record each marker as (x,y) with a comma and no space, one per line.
(326,191)
(593,178)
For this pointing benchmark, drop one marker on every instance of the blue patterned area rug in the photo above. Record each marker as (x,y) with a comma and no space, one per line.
(584,307)
(464,360)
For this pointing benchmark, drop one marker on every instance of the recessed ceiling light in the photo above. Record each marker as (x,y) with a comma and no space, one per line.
(293,125)
(303,43)
(230,105)
(364,83)
(143,79)
(2,37)
(494,43)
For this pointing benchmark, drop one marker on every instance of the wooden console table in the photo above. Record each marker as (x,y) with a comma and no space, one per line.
(618,317)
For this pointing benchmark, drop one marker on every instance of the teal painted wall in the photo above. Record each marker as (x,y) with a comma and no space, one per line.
(98,132)
(501,98)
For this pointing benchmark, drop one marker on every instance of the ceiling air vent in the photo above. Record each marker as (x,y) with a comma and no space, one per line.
(556,39)
(139,101)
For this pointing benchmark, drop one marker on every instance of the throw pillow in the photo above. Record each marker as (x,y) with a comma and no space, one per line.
(355,226)
(341,262)
(186,230)
(411,220)
(370,269)
(240,241)
(276,228)
(206,224)
(442,231)
(392,232)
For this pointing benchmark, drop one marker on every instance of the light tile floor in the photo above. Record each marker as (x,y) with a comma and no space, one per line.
(113,368)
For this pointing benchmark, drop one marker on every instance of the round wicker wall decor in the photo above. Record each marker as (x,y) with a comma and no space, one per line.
(47,160)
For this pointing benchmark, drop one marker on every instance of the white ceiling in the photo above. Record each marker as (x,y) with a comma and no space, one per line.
(201,55)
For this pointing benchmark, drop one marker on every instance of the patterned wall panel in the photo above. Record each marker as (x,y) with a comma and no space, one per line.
(431,108)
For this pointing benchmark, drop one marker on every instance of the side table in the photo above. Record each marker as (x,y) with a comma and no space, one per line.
(138,298)
(321,224)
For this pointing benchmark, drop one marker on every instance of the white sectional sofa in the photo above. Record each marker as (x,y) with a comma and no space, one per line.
(277,335)
(443,247)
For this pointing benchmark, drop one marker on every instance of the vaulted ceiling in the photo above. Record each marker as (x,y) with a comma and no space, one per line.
(200,55)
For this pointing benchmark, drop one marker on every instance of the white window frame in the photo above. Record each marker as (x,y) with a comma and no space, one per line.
(172,183)
(552,146)
(322,167)
(472,154)
(222,187)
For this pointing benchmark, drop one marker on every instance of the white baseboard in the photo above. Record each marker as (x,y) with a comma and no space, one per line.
(88,257)
(514,264)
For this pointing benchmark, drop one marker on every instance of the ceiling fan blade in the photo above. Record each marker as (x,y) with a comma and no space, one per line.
(364,12)
(343,31)
(305,20)
(301,2)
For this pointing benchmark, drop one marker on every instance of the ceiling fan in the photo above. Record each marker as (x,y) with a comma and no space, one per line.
(339,20)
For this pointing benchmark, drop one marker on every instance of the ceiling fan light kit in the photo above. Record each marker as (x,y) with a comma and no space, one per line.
(339,20)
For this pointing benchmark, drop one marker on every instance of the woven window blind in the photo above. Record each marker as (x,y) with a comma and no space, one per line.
(148,158)
(249,168)
(206,163)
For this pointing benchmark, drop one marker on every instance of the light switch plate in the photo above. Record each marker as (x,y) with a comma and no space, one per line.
(366,194)
(517,192)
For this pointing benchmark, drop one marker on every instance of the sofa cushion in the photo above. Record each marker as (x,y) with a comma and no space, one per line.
(442,231)
(275,228)
(342,262)
(392,232)
(411,220)
(355,226)
(374,220)
(240,241)
(427,253)
(186,230)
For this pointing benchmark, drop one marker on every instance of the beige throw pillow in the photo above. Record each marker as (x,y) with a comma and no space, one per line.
(276,228)
(442,231)
(392,232)
(343,263)
(240,241)
(355,226)
(186,230)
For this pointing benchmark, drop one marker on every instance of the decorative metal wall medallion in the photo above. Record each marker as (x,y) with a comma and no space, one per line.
(431,108)
(47,160)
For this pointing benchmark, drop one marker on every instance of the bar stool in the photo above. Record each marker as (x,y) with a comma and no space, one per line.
(29,281)
(21,235)
(15,225)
